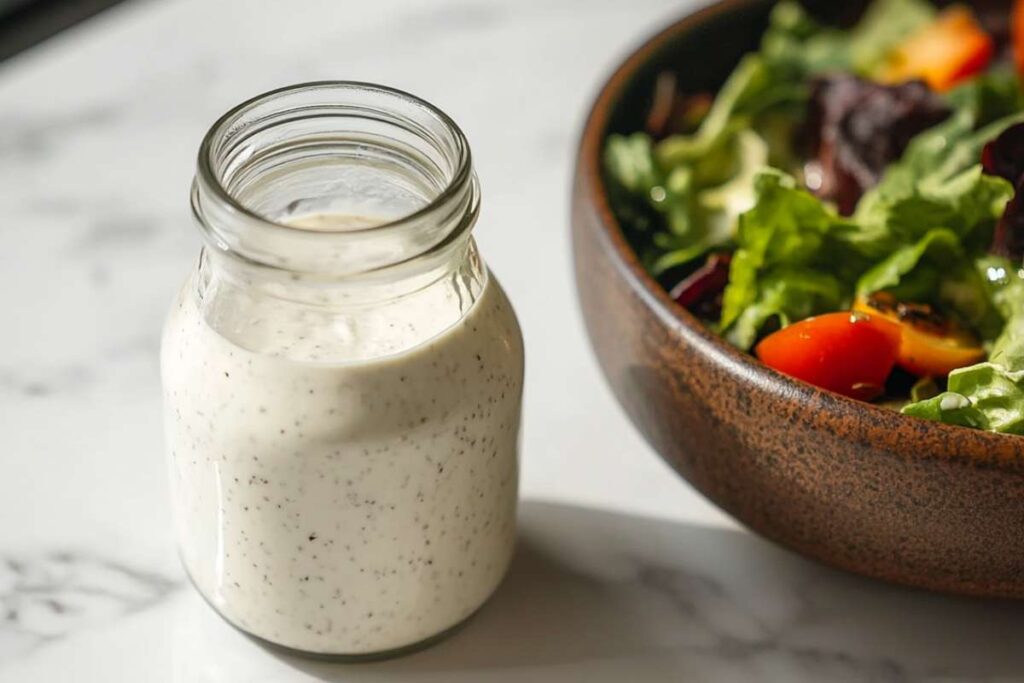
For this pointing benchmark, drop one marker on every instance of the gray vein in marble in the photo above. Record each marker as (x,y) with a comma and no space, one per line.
(591,589)
(80,375)
(45,597)
(32,139)
(593,596)
(740,635)
(118,231)
(438,21)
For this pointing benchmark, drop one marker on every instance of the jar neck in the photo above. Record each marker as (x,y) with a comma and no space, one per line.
(386,177)
(223,269)
(337,219)
(338,321)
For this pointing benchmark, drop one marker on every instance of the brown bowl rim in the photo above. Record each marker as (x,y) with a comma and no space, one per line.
(884,426)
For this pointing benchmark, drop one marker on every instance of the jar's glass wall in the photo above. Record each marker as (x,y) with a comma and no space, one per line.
(377,156)
(342,401)
(336,209)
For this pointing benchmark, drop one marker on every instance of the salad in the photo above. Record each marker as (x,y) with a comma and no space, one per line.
(848,206)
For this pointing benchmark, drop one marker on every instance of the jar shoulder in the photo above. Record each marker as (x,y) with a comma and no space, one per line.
(194,331)
(506,332)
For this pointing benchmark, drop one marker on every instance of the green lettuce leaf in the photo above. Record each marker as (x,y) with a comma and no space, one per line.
(990,96)
(982,109)
(698,218)
(706,178)
(629,160)
(786,295)
(965,289)
(936,270)
(948,407)
(995,389)
(940,245)
(989,395)
(699,183)
(934,207)
(884,26)
(1005,284)
(793,47)
(785,267)
(752,87)
(705,219)
(799,46)
(937,183)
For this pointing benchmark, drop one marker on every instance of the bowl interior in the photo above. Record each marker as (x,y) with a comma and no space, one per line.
(848,483)
(702,49)
(710,50)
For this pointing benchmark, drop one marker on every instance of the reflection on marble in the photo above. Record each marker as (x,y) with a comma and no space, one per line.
(601,597)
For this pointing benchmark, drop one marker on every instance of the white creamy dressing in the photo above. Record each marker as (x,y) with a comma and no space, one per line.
(346,508)
(325,222)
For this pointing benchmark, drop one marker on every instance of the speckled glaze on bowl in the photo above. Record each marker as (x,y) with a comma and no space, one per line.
(847,483)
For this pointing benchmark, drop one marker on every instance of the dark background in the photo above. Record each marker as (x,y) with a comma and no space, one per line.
(23,23)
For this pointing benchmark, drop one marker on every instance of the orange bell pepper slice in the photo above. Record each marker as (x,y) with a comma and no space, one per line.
(949,50)
(1017,35)
(929,346)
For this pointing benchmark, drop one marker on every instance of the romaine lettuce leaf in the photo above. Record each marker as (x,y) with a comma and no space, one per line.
(785,266)
(1005,284)
(936,270)
(629,159)
(990,96)
(937,183)
(949,407)
(989,395)
(751,88)
(940,245)
(698,218)
(884,26)
(793,47)
(700,183)
(799,46)
(786,295)
(914,239)
(704,219)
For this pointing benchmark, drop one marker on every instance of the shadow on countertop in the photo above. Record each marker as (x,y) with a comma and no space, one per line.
(599,596)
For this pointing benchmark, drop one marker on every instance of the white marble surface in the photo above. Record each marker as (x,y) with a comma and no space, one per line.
(624,572)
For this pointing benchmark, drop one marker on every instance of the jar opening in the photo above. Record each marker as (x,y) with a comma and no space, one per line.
(334,177)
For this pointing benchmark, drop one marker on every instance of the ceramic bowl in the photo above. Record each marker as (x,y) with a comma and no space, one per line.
(850,484)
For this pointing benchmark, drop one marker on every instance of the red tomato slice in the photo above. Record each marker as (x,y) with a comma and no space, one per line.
(848,353)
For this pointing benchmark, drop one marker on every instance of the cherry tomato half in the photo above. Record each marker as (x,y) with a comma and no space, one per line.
(848,353)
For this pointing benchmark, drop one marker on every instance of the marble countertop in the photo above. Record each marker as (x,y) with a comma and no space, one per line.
(623,571)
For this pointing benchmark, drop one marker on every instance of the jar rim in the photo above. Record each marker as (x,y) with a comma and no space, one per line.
(453,186)
(232,225)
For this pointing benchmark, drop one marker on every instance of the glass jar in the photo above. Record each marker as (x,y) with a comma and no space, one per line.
(342,376)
